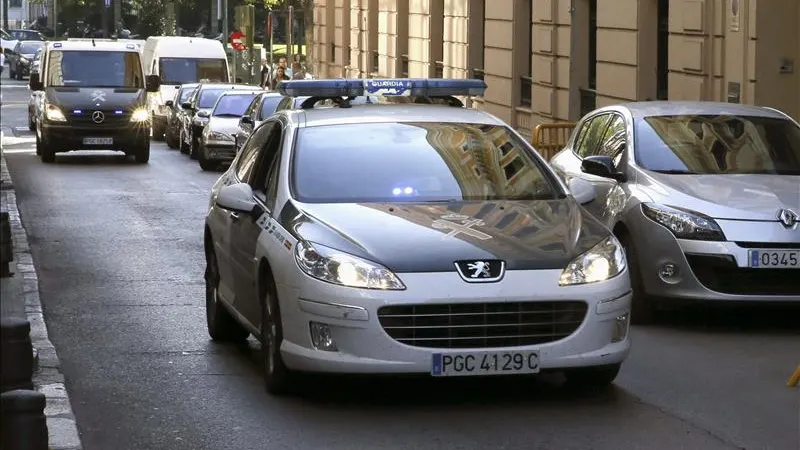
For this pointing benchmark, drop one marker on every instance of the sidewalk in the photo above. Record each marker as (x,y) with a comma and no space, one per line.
(19,297)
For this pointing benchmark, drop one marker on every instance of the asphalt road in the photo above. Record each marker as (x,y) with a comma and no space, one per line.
(119,251)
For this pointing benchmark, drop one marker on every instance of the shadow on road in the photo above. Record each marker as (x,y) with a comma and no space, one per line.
(751,318)
(93,158)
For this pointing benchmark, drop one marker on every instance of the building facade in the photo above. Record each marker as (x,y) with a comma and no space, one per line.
(553,60)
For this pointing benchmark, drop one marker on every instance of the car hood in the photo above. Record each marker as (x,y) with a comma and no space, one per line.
(738,197)
(96,98)
(430,237)
(228,125)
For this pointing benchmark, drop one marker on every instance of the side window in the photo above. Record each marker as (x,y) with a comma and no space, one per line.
(265,161)
(252,149)
(272,180)
(284,104)
(614,139)
(253,107)
(591,134)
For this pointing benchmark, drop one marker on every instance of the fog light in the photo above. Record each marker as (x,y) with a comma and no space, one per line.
(668,272)
(620,331)
(321,337)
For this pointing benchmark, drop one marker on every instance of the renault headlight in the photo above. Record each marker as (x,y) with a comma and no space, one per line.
(217,136)
(341,268)
(602,262)
(140,115)
(684,224)
(54,114)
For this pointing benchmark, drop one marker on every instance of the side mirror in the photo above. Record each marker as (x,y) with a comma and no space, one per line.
(152,83)
(186,105)
(237,198)
(583,191)
(246,120)
(169,103)
(34,83)
(602,166)
(203,114)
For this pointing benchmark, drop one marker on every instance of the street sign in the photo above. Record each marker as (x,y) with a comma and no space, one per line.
(237,41)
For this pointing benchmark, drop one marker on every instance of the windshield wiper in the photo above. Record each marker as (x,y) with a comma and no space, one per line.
(675,172)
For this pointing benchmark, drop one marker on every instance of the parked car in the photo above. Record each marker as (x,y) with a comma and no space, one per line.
(173,127)
(217,144)
(703,196)
(262,106)
(203,99)
(21,57)
(7,43)
(25,35)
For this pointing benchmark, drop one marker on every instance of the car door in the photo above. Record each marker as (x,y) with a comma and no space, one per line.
(245,230)
(246,129)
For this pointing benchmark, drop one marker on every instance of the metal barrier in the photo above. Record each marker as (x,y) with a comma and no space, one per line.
(551,138)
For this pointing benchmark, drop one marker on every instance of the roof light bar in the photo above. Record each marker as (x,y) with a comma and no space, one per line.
(421,87)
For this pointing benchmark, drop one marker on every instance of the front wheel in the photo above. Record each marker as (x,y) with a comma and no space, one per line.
(141,154)
(45,151)
(643,308)
(593,377)
(221,325)
(278,379)
(184,147)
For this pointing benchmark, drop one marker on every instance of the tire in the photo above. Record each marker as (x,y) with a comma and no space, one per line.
(182,144)
(593,377)
(278,379)
(195,146)
(222,327)
(142,152)
(205,164)
(158,131)
(45,151)
(170,138)
(643,308)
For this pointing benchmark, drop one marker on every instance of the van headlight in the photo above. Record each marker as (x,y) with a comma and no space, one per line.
(684,224)
(333,266)
(140,115)
(53,113)
(602,262)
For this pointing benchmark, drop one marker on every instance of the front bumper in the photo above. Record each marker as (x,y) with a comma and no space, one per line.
(364,346)
(715,270)
(221,152)
(65,137)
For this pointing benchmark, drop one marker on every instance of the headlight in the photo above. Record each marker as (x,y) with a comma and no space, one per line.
(140,115)
(684,224)
(216,136)
(54,114)
(340,268)
(602,262)
(24,60)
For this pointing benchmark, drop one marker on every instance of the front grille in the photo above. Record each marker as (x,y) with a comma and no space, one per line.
(721,274)
(111,119)
(482,325)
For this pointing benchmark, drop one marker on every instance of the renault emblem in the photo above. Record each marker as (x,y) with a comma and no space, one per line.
(98,117)
(788,218)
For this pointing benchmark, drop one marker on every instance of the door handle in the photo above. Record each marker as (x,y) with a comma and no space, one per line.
(234,215)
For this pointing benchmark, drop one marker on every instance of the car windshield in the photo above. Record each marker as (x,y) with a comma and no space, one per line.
(29,48)
(712,144)
(233,105)
(25,35)
(208,97)
(191,70)
(268,105)
(186,93)
(79,68)
(416,162)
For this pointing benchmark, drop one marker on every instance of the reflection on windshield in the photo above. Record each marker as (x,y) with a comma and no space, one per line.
(81,68)
(191,70)
(186,93)
(415,162)
(233,105)
(208,97)
(29,48)
(719,145)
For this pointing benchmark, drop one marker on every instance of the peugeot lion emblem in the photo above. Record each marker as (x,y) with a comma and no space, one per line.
(98,117)
(788,218)
(481,271)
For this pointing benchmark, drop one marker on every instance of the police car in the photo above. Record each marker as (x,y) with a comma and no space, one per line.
(405,236)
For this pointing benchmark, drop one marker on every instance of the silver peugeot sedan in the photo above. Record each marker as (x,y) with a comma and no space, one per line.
(704,196)
(409,238)
(217,142)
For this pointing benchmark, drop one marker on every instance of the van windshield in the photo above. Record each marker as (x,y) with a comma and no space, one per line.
(191,70)
(87,68)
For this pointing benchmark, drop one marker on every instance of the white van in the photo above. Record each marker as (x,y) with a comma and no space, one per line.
(178,60)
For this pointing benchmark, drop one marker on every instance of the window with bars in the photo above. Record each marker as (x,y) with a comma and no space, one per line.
(376,60)
(438,69)
(404,66)
(525,91)
(333,52)
(525,79)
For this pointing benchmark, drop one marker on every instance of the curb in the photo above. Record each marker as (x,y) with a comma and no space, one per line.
(48,379)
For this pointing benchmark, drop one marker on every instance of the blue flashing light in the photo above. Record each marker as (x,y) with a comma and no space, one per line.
(422,87)
(130,46)
(119,111)
(77,111)
(57,45)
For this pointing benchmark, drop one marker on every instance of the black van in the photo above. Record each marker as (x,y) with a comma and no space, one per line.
(95,98)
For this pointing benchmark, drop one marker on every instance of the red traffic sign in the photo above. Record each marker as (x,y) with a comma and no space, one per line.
(237,41)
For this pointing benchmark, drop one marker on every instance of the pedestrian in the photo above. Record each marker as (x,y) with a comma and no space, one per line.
(280,75)
(298,73)
(265,73)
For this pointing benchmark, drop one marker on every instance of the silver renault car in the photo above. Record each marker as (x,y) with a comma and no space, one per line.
(218,139)
(409,238)
(704,196)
